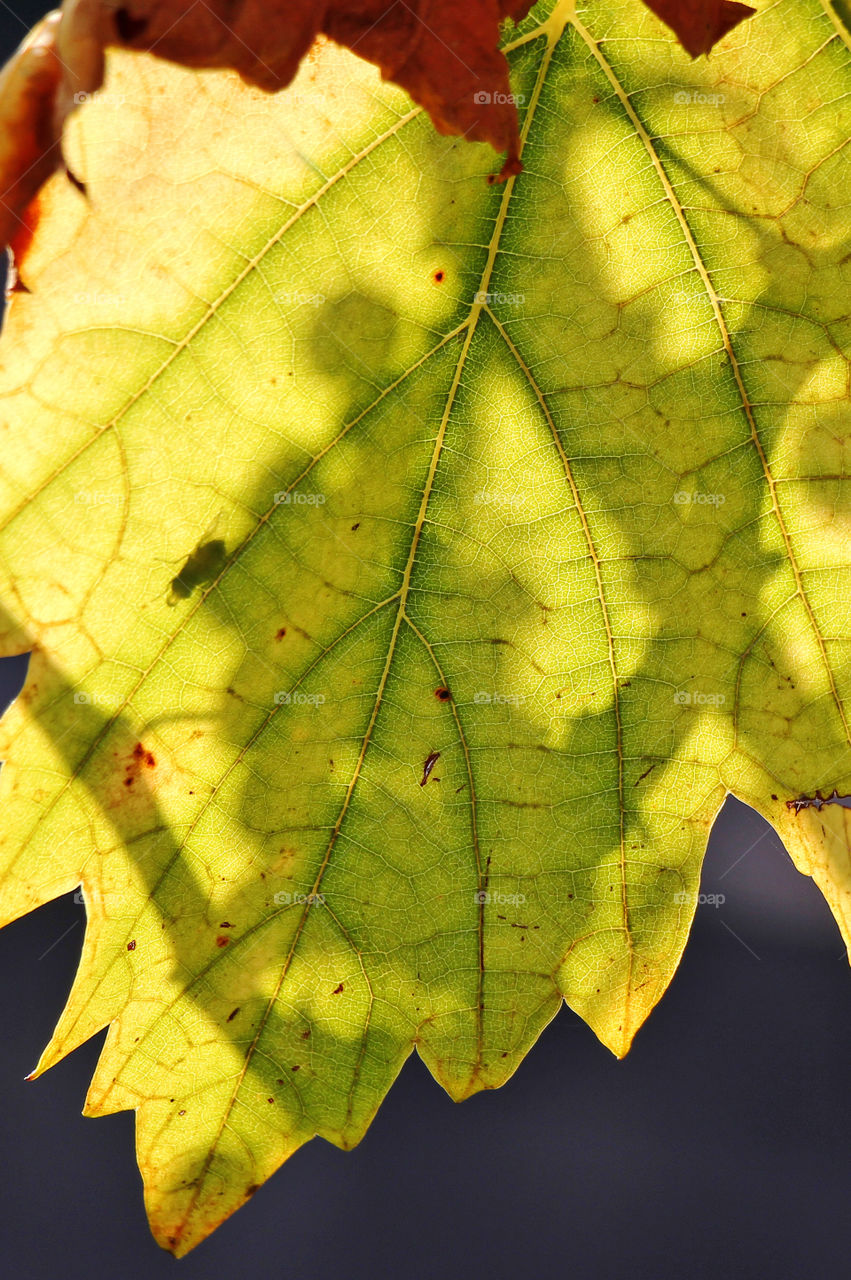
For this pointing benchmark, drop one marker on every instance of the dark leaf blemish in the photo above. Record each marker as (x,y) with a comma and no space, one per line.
(431,761)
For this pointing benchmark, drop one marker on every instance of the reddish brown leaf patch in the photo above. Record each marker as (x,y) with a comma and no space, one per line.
(699,24)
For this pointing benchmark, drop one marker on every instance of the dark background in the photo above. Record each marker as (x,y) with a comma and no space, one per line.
(719,1147)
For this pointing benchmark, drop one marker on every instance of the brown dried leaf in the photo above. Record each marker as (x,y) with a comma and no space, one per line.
(699,24)
(444,54)
(29,143)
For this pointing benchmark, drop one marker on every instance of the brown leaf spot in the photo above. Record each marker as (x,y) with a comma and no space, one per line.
(430,762)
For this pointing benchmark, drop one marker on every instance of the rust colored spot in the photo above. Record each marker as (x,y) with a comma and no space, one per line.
(131,946)
(356,526)
(296,1068)
(431,761)
(443,694)
(438,277)
(305,1035)
(255,1186)
(222,941)
(337,990)
(231,1016)
(225,925)
(279,635)
(143,755)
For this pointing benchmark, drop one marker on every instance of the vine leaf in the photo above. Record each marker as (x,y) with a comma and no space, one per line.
(411,566)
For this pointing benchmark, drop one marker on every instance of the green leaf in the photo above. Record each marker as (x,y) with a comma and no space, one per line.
(412,565)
